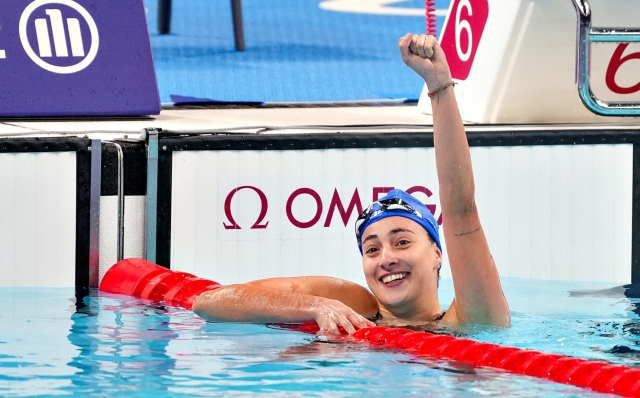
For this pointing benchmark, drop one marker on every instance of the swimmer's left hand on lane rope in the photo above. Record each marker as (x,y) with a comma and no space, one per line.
(331,315)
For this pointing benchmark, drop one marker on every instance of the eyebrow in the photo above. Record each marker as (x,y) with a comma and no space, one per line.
(398,230)
(369,238)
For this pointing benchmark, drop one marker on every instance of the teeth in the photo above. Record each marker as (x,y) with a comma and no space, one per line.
(394,277)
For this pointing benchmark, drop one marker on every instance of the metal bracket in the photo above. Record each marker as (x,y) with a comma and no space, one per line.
(152,136)
(120,177)
(586,36)
(94,213)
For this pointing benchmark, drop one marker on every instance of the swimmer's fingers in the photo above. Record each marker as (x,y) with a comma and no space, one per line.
(331,315)
(341,320)
(435,51)
(325,325)
(412,44)
(350,323)
(332,326)
(421,46)
(359,321)
(346,324)
(353,321)
(328,328)
(406,45)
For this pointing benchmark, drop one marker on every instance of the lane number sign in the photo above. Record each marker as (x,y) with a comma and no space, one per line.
(462,33)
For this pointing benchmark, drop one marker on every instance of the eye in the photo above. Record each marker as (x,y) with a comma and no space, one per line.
(403,242)
(371,249)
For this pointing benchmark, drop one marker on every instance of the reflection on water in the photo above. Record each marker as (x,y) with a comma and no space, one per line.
(631,290)
(630,329)
(131,351)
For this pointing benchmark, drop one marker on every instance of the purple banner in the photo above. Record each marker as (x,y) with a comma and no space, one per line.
(76,58)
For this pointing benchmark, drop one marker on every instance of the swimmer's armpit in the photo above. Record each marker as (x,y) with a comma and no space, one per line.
(463,233)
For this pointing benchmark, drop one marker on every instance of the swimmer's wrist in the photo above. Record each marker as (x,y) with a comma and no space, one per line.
(443,89)
(434,82)
(311,308)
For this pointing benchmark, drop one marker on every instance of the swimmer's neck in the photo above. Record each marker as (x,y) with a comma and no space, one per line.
(414,316)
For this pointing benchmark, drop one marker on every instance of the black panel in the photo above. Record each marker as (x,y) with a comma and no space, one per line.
(44,144)
(389,140)
(135,168)
(83,212)
(109,172)
(635,221)
(163,231)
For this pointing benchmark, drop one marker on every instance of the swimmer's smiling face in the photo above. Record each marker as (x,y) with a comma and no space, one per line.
(400,263)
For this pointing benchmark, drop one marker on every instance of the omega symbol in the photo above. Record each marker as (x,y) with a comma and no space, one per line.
(54,28)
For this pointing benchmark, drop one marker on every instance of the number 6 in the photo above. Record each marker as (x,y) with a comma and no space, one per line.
(616,62)
(463,25)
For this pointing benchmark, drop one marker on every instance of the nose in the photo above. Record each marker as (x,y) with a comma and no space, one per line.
(388,258)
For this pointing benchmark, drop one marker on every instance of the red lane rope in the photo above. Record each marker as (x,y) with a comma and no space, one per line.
(140,278)
(430,11)
(597,376)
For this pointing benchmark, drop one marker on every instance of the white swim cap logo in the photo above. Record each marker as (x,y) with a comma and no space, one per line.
(60,28)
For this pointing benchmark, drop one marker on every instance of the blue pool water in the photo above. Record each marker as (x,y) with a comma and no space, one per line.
(108,345)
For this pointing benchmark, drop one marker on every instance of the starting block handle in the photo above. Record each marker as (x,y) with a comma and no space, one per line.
(586,36)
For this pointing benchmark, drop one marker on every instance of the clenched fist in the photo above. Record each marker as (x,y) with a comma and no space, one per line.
(424,55)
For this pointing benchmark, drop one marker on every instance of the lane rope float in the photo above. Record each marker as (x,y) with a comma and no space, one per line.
(140,278)
(143,279)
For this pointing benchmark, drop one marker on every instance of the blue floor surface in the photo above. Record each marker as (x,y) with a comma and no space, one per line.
(295,52)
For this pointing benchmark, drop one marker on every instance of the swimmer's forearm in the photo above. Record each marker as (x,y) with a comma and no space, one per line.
(241,303)
(453,159)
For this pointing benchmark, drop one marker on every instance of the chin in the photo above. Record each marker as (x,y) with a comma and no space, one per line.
(394,300)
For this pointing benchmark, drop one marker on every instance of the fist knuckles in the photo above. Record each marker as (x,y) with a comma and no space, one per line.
(422,45)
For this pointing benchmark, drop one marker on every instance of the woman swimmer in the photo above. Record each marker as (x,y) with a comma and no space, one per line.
(400,244)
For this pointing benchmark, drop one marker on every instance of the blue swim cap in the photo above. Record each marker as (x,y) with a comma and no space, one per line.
(398,203)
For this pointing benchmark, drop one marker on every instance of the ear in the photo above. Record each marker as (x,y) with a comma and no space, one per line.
(438,255)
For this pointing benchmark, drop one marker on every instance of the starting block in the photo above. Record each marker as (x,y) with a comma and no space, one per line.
(537,61)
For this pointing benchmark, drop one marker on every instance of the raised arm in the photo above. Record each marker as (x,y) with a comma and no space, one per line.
(478,294)
(330,302)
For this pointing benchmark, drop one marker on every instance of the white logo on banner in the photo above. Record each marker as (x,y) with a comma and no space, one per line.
(55,23)
(375,7)
(3,54)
